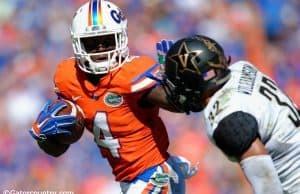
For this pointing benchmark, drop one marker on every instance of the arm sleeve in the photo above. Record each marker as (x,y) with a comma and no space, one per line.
(261,174)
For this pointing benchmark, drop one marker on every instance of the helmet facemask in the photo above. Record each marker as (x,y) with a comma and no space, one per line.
(99,54)
(185,92)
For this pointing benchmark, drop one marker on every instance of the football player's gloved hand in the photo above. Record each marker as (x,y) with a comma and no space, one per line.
(162,48)
(48,124)
(185,166)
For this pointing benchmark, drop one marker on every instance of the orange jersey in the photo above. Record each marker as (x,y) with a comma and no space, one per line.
(132,138)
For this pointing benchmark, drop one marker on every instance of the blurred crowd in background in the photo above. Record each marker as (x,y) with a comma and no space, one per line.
(34,37)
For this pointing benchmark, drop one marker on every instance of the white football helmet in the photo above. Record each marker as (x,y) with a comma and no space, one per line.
(99,35)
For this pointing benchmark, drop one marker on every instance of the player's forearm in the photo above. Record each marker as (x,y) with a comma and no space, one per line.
(261,174)
(157,96)
(52,148)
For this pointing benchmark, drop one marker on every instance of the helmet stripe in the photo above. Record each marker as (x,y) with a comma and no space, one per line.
(90,14)
(100,17)
(95,13)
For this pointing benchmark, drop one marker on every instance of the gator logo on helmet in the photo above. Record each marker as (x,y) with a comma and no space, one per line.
(112,99)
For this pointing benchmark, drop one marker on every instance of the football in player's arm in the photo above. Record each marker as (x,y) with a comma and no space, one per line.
(119,102)
(247,116)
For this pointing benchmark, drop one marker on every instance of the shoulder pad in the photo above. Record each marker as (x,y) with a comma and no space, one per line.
(66,78)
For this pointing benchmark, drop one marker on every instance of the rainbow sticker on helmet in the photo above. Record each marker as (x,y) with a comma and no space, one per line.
(95,13)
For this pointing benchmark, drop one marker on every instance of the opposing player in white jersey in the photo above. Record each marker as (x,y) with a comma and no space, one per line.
(247,116)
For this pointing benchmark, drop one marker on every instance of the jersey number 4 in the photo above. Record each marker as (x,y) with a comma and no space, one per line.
(272,92)
(103,136)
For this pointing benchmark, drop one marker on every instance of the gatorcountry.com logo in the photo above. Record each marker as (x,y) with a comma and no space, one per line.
(112,99)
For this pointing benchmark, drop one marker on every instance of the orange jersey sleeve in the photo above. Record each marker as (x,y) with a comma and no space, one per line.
(133,75)
(130,137)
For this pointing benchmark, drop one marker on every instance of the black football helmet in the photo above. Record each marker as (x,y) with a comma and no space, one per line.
(194,66)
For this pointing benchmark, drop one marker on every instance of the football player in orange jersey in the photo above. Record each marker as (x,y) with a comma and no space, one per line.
(119,101)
